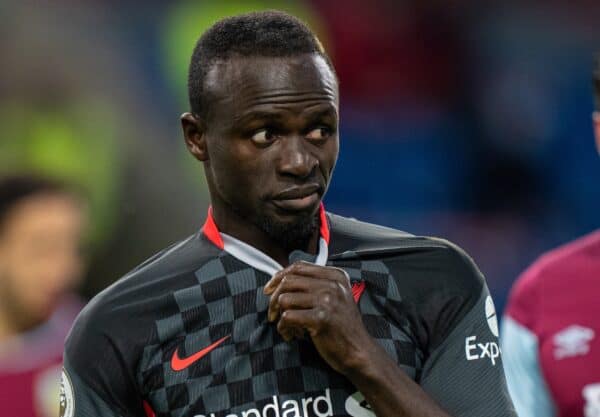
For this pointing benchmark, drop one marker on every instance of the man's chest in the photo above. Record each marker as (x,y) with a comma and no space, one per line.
(218,355)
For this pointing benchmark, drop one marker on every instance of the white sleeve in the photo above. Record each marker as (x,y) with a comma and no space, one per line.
(526,384)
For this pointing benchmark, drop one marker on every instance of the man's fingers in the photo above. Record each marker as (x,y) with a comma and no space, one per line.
(296,268)
(295,300)
(286,333)
(272,284)
(290,333)
(300,319)
(288,284)
(306,269)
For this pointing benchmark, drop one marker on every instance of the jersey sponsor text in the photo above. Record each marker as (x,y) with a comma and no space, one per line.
(320,406)
(474,350)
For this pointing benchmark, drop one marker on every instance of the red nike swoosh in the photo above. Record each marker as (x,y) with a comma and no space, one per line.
(357,290)
(179,364)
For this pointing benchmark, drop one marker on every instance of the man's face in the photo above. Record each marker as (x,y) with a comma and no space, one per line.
(272,140)
(40,257)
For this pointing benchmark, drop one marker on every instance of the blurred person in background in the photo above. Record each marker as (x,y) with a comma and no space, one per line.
(41,225)
(551,329)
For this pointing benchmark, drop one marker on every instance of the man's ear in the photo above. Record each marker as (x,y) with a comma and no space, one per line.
(596,118)
(194,135)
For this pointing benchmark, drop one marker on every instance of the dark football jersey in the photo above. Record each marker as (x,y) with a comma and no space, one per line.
(186,333)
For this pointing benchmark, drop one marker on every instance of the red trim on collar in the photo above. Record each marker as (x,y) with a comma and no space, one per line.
(324,224)
(211,231)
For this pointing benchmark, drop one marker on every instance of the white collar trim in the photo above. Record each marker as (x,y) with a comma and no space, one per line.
(260,260)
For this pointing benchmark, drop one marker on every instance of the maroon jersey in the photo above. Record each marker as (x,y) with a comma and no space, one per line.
(30,366)
(551,339)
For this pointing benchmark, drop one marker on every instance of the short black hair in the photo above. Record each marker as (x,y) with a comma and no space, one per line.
(17,187)
(265,34)
(597,82)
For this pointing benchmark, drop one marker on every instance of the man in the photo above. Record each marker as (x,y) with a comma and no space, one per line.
(551,328)
(277,308)
(41,224)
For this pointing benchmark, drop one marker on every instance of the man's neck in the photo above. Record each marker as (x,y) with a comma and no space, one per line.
(232,224)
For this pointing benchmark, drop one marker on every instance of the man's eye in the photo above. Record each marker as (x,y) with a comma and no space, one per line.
(263,137)
(320,133)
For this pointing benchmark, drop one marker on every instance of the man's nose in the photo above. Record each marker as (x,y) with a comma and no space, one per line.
(295,158)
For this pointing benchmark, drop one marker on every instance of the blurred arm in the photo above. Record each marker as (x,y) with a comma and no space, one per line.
(521,363)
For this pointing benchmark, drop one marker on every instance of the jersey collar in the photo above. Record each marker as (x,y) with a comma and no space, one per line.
(256,258)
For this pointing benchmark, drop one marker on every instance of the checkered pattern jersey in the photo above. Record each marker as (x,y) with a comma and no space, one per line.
(423,297)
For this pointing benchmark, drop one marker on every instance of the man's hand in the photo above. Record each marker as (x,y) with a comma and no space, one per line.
(318,300)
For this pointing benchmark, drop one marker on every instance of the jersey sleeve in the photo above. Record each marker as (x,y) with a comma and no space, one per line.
(520,347)
(96,379)
(525,381)
(464,371)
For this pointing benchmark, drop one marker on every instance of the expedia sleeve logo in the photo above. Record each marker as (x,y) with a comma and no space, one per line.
(474,349)
(67,400)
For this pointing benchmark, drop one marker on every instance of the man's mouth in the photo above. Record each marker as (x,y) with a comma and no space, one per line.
(298,198)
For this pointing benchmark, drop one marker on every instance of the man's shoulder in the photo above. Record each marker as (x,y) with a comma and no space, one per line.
(168,267)
(422,263)
(432,280)
(575,260)
(349,232)
(563,259)
(144,294)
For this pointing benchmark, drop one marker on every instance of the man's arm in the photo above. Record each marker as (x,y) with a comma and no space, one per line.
(77,399)
(520,346)
(95,380)
(463,374)
(319,299)
(525,381)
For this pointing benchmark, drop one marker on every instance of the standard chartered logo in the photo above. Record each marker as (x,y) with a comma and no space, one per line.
(320,406)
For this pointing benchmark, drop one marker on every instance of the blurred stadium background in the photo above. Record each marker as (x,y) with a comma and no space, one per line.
(465,120)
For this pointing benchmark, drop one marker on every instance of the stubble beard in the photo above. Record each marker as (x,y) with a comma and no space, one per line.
(290,236)
(293,235)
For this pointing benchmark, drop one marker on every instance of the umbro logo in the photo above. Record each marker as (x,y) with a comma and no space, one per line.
(179,364)
(572,341)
